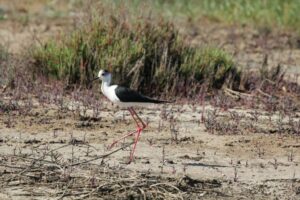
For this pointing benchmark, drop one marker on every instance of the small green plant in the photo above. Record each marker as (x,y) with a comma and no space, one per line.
(4,57)
(3,53)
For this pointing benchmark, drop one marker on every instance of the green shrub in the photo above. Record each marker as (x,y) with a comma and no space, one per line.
(145,54)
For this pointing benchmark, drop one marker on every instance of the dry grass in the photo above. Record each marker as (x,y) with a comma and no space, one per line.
(57,177)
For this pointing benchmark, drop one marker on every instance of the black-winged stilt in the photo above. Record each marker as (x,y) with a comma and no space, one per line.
(126,98)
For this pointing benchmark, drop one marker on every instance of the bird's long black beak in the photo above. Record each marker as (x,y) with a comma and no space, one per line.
(95,79)
(90,84)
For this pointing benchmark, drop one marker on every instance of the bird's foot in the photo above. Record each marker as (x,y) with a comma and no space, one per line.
(129,161)
(139,129)
(112,145)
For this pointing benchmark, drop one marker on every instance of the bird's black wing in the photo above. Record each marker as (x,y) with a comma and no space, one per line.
(129,95)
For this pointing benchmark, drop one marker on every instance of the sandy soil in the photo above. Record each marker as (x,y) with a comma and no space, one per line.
(262,164)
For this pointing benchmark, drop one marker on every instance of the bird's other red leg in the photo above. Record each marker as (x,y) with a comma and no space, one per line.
(129,134)
(135,143)
(122,138)
(143,123)
(139,130)
(133,114)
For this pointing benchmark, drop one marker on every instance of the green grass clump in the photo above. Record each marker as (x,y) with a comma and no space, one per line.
(144,54)
(4,56)
(260,13)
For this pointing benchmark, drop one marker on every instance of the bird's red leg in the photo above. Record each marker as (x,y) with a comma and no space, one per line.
(122,138)
(127,135)
(140,127)
(144,125)
(139,130)
(134,145)
(133,113)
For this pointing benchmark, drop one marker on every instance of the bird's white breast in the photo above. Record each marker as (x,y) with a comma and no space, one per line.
(109,92)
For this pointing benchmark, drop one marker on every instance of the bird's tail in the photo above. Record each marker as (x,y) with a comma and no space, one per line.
(161,101)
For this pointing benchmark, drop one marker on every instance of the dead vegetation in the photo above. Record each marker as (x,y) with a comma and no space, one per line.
(56,177)
(63,165)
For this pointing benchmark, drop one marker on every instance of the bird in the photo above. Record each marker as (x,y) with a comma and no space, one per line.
(126,98)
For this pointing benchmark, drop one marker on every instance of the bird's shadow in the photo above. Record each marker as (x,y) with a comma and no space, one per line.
(204,165)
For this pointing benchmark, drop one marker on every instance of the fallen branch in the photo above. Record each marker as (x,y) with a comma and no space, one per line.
(264,94)
(65,191)
(236,94)
(99,157)
(34,161)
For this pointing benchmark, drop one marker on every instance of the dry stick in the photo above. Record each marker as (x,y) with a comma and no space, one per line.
(101,156)
(72,194)
(166,184)
(143,193)
(124,187)
(171,194)
(27,159)
(91,192)
(265,94)
(174,196)
(40,158)
(235,94)
(64,193)
(10,166)
(266,79)
(48,161)
(157,191)
(231,95)
(238,94)
(172,186)
(34,161)
(118,182)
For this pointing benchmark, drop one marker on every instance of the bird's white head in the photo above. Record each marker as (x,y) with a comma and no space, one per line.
(104,75)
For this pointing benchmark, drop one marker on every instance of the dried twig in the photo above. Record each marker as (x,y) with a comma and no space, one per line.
(33,162)
(101,156)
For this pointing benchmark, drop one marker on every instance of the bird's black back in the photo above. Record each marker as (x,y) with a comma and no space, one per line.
(129,95)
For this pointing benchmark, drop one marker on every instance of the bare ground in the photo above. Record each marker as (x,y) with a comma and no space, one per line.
(177,156)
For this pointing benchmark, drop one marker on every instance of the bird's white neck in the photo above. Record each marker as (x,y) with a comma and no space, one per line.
(105,85)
